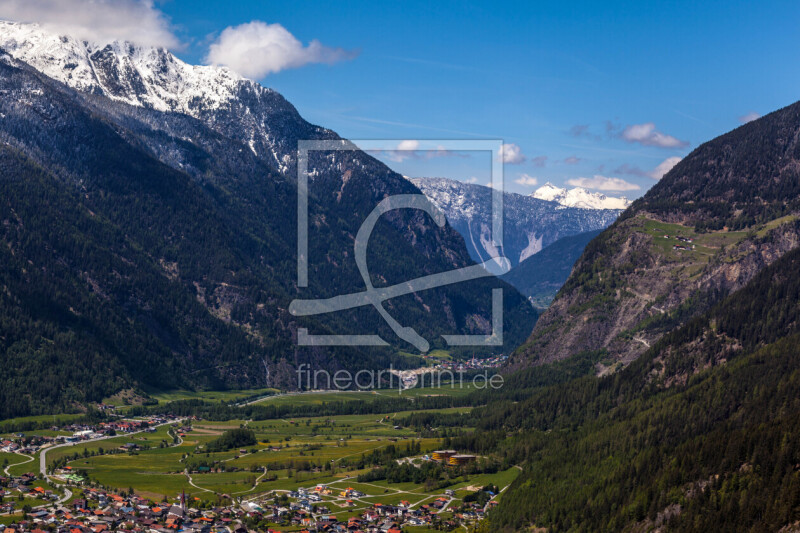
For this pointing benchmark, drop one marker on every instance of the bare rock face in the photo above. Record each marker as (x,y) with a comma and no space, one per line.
(638,305)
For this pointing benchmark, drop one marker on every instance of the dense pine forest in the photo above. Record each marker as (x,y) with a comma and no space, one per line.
(700,434)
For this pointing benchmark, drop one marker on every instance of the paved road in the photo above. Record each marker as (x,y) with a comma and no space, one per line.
(43,454)
(43,460)
(191,482)
(444,508)
(20,463)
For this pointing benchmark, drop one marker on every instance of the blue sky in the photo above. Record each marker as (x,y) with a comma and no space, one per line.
(594,93)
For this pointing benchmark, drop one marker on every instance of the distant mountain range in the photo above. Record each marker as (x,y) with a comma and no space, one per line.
(148,231)
(530,224)
(579,197)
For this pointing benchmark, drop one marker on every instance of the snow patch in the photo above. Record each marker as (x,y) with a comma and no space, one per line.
(534,246)
(579,197)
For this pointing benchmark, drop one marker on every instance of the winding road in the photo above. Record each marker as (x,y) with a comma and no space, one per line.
(43,455)
(30,458)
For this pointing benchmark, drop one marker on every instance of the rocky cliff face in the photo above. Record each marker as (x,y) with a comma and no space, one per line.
(670,257)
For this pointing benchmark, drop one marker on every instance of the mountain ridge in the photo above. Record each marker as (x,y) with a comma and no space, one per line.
(726,211)
(530,224)
(154,78)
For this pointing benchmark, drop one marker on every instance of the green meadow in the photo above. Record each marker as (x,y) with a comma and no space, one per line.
(287,448)
(289,453)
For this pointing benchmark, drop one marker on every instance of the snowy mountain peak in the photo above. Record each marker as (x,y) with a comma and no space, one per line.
(122,71)
(549,192)
(155,79)
(579,197)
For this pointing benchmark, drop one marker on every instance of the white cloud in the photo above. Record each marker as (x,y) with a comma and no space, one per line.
(471,179)
(749,117)
(137,21)
(572,160)
(256,49)
(526,180)
(408,145)
(404,150)
(664,167)
(511,153)
(647,135)
(602,183)
(414,149)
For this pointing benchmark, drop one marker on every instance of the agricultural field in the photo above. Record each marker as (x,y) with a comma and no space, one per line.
(38,419)
(703,245)
(288,454)
(220,396)
(318,398)
(160,471)
(431,358)
(15,462)
(446,389)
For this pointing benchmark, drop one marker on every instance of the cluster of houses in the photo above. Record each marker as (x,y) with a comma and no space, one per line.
(16,491)
(21,443)
(99,511)
(308,513)
(103,429)
(684,243)
(473,364)
(314,495)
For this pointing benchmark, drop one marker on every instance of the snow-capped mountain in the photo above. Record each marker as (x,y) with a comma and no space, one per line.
(530,224)
(579,197)
(122,71)
(191,170)
(155,79)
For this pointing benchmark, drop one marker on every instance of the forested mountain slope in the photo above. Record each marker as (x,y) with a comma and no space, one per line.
(148,248)
(701,433)
(722,214)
